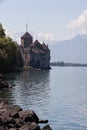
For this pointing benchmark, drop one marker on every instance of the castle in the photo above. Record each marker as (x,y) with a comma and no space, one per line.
(34,54)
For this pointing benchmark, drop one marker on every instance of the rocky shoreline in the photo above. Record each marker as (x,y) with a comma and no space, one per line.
(13,117)
(4,83)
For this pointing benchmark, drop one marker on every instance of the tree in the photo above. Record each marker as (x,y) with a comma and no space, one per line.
(10,55)
(19,57)
(2,31)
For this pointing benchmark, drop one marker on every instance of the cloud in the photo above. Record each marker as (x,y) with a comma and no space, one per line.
(45,36)
(79,24)
(16,36)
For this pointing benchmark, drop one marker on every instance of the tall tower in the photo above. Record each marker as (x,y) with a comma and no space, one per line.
(26,40)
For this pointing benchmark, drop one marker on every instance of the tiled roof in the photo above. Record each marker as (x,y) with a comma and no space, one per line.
(44,46)
(38,44)
(26,35)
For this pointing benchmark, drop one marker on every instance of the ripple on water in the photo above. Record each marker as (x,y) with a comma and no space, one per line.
(59,95)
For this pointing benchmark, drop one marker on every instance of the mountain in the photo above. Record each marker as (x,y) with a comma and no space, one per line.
(73,50)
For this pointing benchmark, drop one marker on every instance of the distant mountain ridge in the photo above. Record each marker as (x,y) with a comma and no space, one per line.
(73,50)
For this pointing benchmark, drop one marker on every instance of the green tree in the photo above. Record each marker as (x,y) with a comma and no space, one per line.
(19,57)
(10,55)
(2,31)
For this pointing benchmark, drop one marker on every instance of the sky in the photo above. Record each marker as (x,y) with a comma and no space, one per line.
(47,19)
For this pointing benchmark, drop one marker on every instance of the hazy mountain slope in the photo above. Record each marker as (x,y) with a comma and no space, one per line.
(73,50)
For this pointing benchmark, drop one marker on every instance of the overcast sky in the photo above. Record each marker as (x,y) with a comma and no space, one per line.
(46,19)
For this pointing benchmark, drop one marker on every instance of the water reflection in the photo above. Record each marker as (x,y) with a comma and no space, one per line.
(32,90)
(59,95)
(6,94)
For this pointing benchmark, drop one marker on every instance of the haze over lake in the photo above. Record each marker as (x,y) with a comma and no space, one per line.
(73,50)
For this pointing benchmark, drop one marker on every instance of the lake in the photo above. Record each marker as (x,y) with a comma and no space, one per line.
(59,95)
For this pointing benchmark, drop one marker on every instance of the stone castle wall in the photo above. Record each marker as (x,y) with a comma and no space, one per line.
(34,54)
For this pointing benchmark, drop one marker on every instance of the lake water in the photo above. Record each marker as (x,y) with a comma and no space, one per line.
(59,95)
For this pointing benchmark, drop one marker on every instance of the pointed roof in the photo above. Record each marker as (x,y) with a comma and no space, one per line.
(44,46)
(37,43)
(26,35)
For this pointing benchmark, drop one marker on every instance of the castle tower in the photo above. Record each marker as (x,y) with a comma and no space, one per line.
(26,40)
